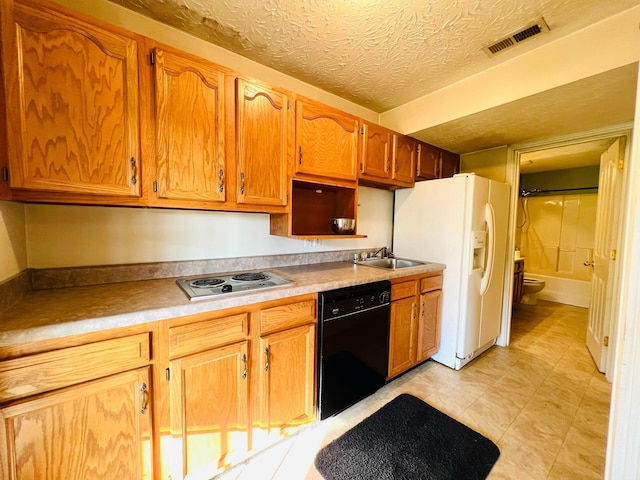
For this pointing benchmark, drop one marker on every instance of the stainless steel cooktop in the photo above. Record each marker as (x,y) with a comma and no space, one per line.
(202,288)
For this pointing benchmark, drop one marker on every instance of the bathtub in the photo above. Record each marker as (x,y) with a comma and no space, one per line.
(564,290)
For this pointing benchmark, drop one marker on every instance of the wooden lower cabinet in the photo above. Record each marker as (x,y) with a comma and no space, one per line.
(239,380)
(429,325)
(402,338)
(179,398)
(209,410)
(287,379)
(518,281)
(415,321)
(95,430)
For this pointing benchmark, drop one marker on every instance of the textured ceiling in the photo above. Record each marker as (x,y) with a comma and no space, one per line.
(383,54)
(597,101)
(377,53)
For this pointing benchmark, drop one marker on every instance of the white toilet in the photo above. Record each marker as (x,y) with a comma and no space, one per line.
(530,289)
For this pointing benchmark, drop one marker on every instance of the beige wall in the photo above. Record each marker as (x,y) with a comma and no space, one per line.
(13,251)
(64,236)
(491,163)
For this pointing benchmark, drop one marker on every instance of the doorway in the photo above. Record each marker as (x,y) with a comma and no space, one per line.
(545,151)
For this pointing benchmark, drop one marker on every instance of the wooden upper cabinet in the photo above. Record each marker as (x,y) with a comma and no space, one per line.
(189,111)
(264,143)
(72,103)
(387,159)
(404,160)
(376,152)
(449,164)
(428,162)
(326,141)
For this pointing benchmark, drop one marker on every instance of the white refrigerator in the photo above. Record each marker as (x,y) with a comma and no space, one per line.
(461,222)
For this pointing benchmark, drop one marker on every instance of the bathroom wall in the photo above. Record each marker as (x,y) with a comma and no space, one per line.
(557,234)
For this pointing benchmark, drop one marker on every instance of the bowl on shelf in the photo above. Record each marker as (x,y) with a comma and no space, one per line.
(343,226)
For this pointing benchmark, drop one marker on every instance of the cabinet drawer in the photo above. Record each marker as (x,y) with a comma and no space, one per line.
(430,283)
(287,316)
(404,290)
(48,371)
(196,337)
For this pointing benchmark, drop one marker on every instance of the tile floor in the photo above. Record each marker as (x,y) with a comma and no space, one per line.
(541,400)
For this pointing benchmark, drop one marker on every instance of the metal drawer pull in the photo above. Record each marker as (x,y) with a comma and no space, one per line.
(134,171)
(244,366)
(221,180)
(266,359)
(144,398)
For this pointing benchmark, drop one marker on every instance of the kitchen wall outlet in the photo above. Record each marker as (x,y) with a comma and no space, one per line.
(313,242)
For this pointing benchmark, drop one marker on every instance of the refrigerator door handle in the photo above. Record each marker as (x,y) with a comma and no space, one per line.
(490,217)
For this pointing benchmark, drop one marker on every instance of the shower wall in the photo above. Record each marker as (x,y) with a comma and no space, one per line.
(557,234)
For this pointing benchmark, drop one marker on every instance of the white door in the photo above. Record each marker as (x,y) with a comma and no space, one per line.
(604,247)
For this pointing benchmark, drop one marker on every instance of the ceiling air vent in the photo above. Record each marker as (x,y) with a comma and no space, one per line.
(531,30)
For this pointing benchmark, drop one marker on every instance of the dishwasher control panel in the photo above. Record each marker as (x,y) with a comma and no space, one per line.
(350,300)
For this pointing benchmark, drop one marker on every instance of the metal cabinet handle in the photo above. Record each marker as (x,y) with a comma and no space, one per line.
(242,183)
(221,180)
(300,154)
(588,263)
(144,398)
(134,170)
(244,366)
(266,359)
(413,310)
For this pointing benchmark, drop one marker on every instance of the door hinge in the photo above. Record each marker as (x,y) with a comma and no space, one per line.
(155,186)
(167,374)
(620,164)
(613,254)
(5,174)
(605,341)
(152,58)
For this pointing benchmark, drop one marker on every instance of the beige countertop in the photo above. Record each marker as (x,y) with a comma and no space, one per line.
(59,312)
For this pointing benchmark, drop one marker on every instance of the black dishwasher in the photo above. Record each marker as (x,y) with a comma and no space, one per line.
(353,345)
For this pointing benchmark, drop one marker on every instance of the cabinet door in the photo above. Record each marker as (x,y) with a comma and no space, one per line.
(429,325)
(402,335)
(450,164)
(100,429)
(264,142)
(376,151)
(190,157)
(209,410)
(404,159)
(428,162)
(72,101)
(326,141)
(287,383)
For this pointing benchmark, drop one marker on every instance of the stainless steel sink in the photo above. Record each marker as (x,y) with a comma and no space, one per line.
(389,263)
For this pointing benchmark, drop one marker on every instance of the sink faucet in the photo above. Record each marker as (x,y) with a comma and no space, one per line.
(384,250)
